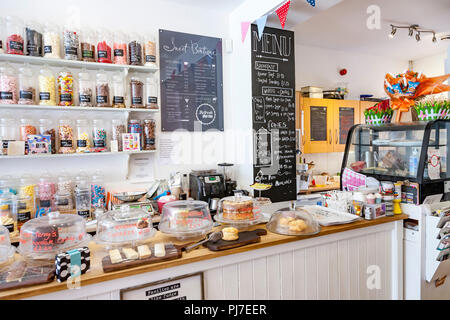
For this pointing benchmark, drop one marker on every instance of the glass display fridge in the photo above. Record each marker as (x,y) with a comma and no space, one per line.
(415,153)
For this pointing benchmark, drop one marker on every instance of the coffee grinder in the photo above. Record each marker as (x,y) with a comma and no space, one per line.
(230,184)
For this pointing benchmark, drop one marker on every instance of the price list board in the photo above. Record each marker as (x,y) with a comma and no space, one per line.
(273,104)
(191,82)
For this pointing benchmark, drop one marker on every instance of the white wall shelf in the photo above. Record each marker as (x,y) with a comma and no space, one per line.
(75,64)
(77,108)
(65,155)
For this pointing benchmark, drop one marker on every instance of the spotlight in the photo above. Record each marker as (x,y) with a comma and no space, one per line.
(434,37)
(418,36)
(394,30)
(411,32)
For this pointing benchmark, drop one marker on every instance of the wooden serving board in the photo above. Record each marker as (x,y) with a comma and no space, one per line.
(245,237)
(172,252)
(33,275)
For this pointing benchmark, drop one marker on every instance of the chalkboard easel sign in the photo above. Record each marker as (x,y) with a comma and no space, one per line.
(191,81)
(273,104)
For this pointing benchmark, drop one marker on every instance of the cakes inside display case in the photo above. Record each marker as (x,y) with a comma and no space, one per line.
(44,237)
(124,226)
(6,249)
(238,210)
(186,219)
(293,223)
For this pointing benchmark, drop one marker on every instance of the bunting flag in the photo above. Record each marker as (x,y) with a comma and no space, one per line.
(261,23)
(244,29)
(312,2)
(282,12)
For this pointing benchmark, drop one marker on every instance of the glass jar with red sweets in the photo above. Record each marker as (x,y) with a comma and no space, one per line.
(104,43)
(120,48)
(14,36)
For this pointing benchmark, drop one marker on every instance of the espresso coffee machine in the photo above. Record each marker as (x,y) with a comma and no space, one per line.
(208,186)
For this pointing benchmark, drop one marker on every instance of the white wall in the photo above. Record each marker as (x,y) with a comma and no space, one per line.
(365,73)
(431,66)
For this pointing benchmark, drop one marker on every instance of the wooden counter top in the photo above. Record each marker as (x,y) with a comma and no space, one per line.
(333,186)
(96,274)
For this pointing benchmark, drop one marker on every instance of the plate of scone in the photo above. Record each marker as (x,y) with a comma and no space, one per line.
(293,223)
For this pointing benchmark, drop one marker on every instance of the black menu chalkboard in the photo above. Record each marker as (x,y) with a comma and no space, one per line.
(191,82)
(273,104)
(318,123)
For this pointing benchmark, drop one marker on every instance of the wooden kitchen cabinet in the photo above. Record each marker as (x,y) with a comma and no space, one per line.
(325,123)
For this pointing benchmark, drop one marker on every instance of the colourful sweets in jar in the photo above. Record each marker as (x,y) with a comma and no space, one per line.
(65,135)
(65,88)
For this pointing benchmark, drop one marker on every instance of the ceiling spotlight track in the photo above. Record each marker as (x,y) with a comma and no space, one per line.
(411,29)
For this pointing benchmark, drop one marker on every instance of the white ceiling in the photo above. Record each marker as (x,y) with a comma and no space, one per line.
(221,5)
(343,27)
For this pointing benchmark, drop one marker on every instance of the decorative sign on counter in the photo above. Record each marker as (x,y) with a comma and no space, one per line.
(273,102)
(188,287)
(191,82)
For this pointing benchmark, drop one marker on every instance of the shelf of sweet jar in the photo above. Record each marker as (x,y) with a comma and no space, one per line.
(75,64)
(78,108)
(84,154)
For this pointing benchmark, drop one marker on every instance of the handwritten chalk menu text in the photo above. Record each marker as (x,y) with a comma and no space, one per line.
(191,82)
(273,103)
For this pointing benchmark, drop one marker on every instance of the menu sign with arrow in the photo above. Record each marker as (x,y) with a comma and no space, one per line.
(273,103)
(191,82)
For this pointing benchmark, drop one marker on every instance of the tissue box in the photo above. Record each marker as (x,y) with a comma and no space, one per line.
(64,261)
(374,211)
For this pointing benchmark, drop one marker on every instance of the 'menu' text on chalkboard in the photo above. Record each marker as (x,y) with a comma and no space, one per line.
(273,43)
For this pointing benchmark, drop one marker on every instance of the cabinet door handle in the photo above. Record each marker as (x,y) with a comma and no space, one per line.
(336,137)
(331,136)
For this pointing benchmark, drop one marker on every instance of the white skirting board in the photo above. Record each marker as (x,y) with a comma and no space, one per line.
(327,267)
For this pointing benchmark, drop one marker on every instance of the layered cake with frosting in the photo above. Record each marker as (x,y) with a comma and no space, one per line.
(238,209)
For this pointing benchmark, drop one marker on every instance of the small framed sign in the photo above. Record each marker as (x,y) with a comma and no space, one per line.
(187,287)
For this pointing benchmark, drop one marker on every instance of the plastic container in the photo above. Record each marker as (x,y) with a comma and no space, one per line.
(123,227)
(52,41)
(118,127)
(83,143)
(8,215)
(151,93)
(293,223)
(71,43)
(150,50)
(388,200)
(6,249)
(27,86)
(135,50)
(87,45)
(99,135)
(14,36)
(118,91)
(66,136)
(83,199)
(102,93)
(47,87)
(98,191)
(149,138)
(44,237)
(8,85)
(186,219)
(65,88)
(136,92)
(104,45)
(34,41)
(85,92)
(47,127)
(120,48)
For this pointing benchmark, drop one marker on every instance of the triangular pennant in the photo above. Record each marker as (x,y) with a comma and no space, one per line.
(261,23)
(312,2)
(244,29)
(282,12)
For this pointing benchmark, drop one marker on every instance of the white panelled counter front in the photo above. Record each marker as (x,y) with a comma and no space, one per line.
(361,260)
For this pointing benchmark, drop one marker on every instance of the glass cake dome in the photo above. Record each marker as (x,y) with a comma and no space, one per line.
(293,223)
(186,219)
